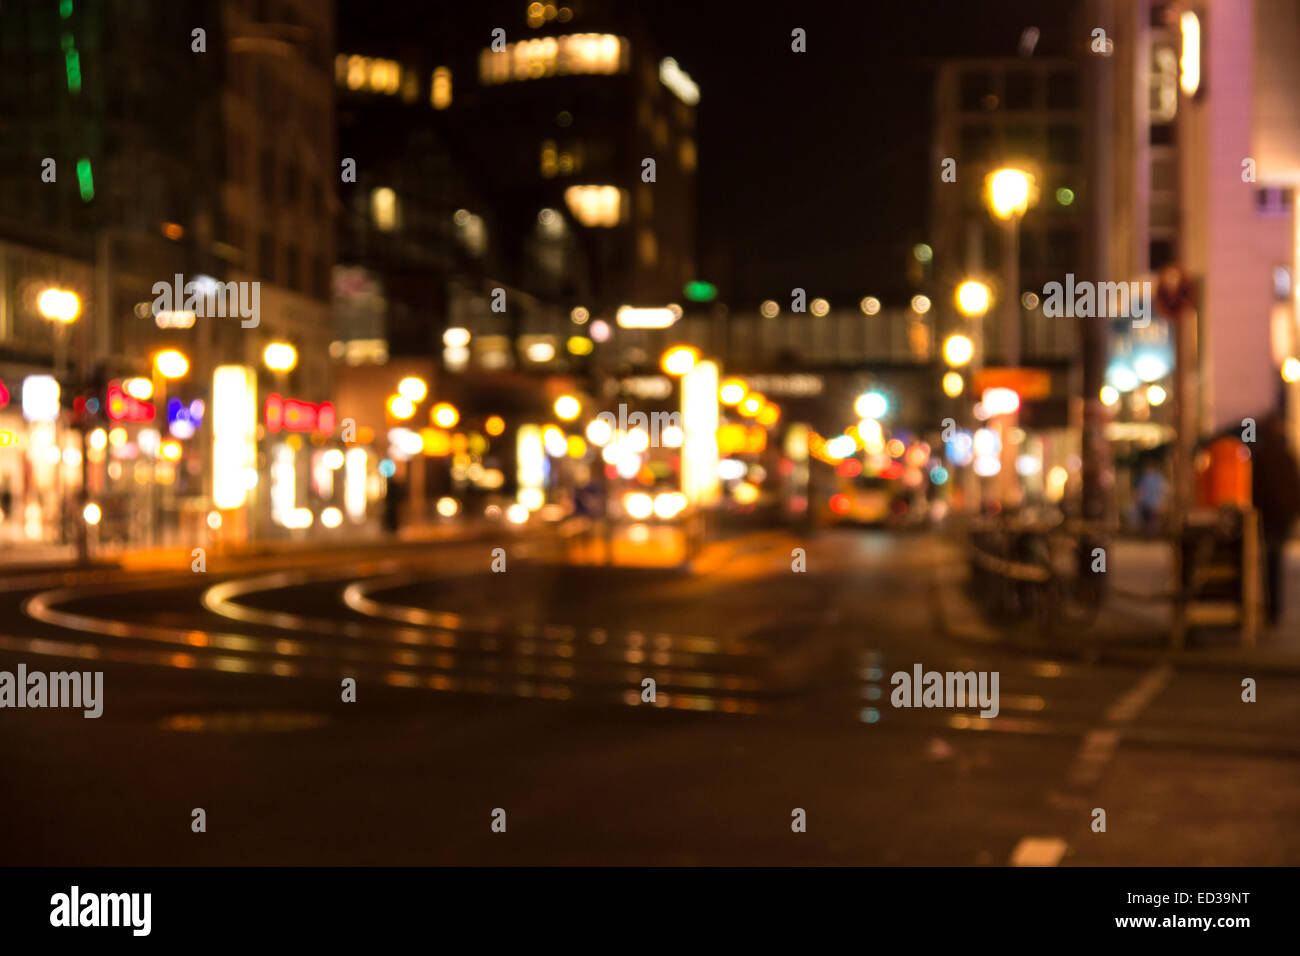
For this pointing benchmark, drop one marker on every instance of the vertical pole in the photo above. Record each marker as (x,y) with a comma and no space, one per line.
(160,423)
(60,475)
(1250,589)
(1096,470)
(1181,463)
(1008,479)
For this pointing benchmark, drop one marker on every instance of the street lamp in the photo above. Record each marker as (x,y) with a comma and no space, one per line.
(732,391)
(400,407)
(957,350)
(973,298)
(567,408)
(171,364)
(167,364)
(872,405)
(1010,192)
(413,389)
(679,360)
(59,305)
(444,415)
(280,357)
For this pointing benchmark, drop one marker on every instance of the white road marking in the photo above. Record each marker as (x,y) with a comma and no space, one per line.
(1038,851)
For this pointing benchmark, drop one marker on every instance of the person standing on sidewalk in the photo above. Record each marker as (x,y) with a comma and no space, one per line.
(1275,488)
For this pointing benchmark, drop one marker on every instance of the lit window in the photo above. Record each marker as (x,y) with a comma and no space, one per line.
(579,53)
(440,95)
(686,155)
(647,247)
(356,72)
(595,205)
(383,209)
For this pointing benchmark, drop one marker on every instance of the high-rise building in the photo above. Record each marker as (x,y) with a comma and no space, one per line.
(224,176)
(1210,103)
(1026,112)
(551,156)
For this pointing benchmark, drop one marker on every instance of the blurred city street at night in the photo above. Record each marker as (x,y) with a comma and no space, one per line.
(600,433)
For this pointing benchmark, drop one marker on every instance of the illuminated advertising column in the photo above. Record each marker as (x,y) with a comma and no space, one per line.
(354,483)
(700,424)
(530,460)
(234,435)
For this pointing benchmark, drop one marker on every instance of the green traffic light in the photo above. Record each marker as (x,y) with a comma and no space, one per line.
(85,179)
(73,62)
(698,290)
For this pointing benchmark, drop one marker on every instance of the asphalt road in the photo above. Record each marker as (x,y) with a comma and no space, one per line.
(522,691)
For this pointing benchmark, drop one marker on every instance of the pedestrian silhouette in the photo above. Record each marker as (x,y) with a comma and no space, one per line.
(1275,488)
(393,505)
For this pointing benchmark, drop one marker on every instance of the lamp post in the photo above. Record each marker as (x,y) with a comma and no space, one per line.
(280,358)
(61,308)
(414,390)
(973,299)
(1010,192)
(168,364)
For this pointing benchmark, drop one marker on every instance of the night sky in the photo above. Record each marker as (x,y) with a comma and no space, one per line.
(814,168)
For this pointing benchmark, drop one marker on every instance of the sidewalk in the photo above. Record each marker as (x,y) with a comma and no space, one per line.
(21,557)
(1136,622)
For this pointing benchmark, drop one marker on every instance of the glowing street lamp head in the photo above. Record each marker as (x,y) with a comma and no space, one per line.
(1009,192)
(953,384)
(973,298)
(280,357)
(679,360)
(138,388)
(400,407)
(732,392)
(567,408)
(171,364)
(59,305)
(413,388)
(957,350)
(444,415)
(871,405)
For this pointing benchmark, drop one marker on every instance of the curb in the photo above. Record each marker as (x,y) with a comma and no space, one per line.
(961,621)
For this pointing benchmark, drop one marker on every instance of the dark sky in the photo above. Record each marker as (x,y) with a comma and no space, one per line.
(814,167)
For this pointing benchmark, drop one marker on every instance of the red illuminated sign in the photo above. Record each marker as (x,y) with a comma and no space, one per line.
(289,414)
(123,408)
(4,395)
